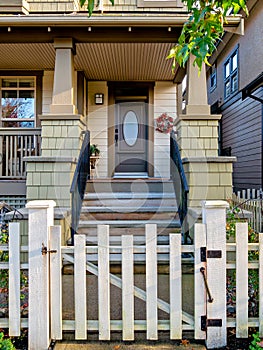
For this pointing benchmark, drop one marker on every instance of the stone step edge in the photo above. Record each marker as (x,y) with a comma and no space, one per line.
(97,209)
(129,195)
(129,223)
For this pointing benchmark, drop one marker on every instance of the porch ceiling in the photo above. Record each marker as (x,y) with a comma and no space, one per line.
(99,61)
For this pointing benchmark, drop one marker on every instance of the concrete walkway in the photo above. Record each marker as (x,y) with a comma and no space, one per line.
(73,345)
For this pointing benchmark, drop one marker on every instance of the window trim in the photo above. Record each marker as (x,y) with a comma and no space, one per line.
(160,3)
(213,74)
(232,73)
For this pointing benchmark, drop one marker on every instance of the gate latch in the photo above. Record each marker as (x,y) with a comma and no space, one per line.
(44,250)
(205,322)
(210,254)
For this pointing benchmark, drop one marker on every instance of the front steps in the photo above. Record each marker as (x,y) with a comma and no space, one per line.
(127,206)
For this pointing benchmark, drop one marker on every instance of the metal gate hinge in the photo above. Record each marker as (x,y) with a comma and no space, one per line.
(44,250)
(205,322)
(209,254)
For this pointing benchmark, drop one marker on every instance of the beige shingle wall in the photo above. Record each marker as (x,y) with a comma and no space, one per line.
(165,100)
(73,5)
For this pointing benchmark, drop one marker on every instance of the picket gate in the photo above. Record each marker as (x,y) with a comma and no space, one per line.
(210,253)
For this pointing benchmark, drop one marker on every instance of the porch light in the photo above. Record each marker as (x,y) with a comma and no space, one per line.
(99,99)
(9,29)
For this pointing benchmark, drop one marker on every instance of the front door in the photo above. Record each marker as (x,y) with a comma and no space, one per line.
(131,138)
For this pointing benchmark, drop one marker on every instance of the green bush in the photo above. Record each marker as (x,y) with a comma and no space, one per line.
(5,344)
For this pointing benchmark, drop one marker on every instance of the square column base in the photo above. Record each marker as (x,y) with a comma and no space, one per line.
(209,178)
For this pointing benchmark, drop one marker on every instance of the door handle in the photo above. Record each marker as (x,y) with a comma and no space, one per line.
(116,136)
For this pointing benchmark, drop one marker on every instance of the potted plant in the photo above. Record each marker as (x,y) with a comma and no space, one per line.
(94,150)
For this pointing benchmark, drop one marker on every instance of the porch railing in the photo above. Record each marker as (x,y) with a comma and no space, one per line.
(180,183)
(15,144)
(77,190)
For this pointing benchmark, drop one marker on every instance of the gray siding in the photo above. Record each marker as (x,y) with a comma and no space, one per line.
(242,131)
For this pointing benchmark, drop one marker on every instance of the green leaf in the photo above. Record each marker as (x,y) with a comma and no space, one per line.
(90,7)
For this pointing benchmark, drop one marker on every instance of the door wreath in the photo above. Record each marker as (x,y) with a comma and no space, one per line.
(164,123)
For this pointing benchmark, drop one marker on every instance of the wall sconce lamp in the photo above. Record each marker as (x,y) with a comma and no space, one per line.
(99,99)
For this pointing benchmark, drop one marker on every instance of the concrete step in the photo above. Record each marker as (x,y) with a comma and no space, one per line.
(128,227)
(130,185)
(118,231)
(106,215)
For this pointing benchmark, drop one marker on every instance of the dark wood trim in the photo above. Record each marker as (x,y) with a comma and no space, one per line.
(80,92)
(149,34)
(16,73)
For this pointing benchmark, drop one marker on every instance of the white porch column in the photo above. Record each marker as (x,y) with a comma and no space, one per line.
(63,89)
(196,96)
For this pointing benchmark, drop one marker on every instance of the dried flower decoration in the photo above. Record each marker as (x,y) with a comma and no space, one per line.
(164,123)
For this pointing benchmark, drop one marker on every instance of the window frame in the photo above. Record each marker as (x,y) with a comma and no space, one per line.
(233,74)
(17,89)
(213,75)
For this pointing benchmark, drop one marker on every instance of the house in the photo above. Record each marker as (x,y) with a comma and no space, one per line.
(235,90)
(63,73)
(65,77)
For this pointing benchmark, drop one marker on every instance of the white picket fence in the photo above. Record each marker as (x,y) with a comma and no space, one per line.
(251,200)
(45,281)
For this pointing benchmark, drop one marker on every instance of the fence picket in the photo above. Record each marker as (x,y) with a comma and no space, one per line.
(104,282)
(241,280)
(80,287)
(199,292)
(127,288)
(151,282)
(55,283)
(175,287)
(14,279)
(261,285)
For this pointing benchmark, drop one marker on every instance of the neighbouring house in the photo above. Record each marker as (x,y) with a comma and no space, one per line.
(235,90)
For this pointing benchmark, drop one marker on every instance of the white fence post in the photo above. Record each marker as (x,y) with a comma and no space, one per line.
(214,216)
(40,217)
(14,279)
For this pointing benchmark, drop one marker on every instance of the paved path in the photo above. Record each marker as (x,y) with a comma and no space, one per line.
(120,346)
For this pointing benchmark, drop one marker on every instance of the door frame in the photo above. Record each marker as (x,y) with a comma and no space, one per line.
(146,93)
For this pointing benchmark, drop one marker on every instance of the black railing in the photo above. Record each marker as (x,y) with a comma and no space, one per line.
(78,186)
(180,184)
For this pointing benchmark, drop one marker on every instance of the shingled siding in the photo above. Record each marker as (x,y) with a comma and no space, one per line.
(119,6)
(242,131)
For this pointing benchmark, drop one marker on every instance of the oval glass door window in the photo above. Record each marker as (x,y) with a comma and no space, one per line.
(130,128)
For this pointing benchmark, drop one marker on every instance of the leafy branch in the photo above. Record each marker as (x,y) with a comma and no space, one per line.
(203,30)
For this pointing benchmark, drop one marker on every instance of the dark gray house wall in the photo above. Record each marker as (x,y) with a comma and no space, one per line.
(242,132)
(241,124)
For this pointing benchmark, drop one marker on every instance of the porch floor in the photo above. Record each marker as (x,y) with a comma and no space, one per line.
(76,345)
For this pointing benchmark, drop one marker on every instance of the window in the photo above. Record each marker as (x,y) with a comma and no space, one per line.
(18,100)
(160,3)
(213,78)
(231,74)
